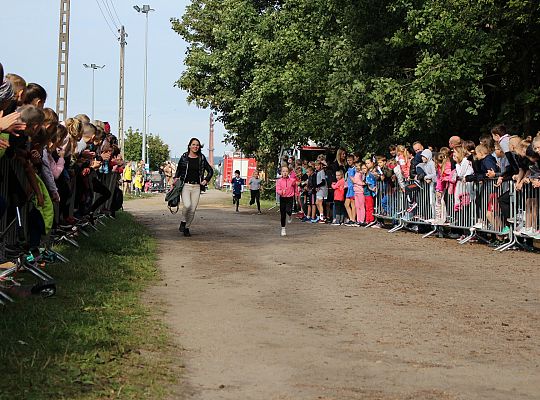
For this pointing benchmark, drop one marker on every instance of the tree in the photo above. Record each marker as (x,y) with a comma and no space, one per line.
(132,145)
(364,73)
(158,151)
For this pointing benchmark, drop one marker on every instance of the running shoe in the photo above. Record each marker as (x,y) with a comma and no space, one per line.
(314,220)
(412,207)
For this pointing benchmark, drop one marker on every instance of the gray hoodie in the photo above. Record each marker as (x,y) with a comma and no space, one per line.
(429,166)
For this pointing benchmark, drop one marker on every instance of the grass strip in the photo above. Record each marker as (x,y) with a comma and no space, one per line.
(246,196)
(94,339)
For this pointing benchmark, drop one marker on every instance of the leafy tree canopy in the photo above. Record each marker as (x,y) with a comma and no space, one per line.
(158,151)
(362,73)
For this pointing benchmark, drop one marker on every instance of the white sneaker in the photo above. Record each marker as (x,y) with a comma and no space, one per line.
(527,232)
(289,219)
(283,232)
(478,225)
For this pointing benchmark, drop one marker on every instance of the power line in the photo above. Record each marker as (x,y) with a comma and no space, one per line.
(107,8)
(107,21)
(115,13)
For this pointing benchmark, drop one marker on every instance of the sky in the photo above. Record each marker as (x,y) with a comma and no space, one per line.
(32,52)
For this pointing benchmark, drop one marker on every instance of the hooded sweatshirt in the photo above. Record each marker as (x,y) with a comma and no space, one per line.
(286,187)
(428,167)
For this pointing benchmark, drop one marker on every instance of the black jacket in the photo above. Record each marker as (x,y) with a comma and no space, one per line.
(481,167)
(204,167)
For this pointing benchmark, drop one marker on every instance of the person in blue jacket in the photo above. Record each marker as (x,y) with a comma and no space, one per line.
(237,184)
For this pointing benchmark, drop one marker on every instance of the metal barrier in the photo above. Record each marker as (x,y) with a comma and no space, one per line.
(477,209)
(16,223)
(13,186)
(525,218)
(389,204)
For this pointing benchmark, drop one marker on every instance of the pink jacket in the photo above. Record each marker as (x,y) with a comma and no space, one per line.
(286,187)
(359,183)
(405,166)
(56,167)
(445,177)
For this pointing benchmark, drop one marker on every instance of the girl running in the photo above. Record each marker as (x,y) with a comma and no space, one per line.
(285,189)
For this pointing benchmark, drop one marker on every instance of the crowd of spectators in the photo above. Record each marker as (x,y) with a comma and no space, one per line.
(65,163)
(343,192)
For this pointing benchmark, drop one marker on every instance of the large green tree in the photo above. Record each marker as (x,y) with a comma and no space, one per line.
(363,73)
(158,151)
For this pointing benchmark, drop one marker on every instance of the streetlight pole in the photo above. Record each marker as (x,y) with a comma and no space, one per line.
(145,9)
(93,67)
(147,143)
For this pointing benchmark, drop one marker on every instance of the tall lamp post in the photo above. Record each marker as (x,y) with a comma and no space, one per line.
(93,67)
(147,143)
(145,9)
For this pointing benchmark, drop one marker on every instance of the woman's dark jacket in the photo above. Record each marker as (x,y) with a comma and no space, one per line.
(204,167)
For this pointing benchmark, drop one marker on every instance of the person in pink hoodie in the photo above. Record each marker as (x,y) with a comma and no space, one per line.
(359,183)
(285,189)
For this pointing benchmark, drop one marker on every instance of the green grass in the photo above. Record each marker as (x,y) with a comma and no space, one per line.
(94,339)
(244,201)
(132,196)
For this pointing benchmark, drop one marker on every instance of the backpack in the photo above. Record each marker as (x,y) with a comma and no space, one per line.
(173,196)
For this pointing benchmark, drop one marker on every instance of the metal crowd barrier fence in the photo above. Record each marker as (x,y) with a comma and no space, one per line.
(525,218)
(14,229)
(389,203)
(13,189)
(474,208)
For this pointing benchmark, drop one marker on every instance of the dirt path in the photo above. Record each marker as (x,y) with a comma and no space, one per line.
(342,313)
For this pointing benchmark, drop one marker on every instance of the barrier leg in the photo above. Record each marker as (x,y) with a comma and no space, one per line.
(434,230)
(469,237)
(398,227)
(4,297)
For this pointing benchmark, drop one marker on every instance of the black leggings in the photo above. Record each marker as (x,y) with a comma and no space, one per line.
(340,210)
(504,204)
(256,198)
(101,189)
(285,208)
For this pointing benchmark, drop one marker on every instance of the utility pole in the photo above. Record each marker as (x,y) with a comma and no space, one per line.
(211,141)
(123,43)
(63,58)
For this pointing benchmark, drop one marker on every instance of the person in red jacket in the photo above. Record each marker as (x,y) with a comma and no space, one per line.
(339,198)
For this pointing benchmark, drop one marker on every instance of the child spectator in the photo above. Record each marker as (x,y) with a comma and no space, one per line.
(299,185)
(35,95)
(138,183)
(428,170)
(311,186)
(359,196)
(385,175)
(462,192)
(370,189)
(322,191)
(339,198)
(19,88)
(285,189)
(237,184)
(255,190)
(404,161)
(349,197)
(483,163)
